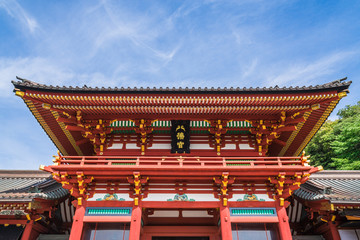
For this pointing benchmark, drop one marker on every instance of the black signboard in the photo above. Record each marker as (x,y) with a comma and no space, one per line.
(180,136)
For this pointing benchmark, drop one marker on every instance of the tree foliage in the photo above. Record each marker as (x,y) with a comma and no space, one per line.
(337,143)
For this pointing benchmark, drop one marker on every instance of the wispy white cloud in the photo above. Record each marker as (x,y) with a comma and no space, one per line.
(164,55)
(302,72)
(14,9)
(33,68)
(242,37)
(250,68)
(17,151)
(47,72)
(184,10)
(142,31)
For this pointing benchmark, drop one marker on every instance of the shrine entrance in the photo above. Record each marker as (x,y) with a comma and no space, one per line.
(180,233)
(180,238)
(125,157)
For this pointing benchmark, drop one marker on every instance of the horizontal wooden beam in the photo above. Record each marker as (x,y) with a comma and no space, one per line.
(12,221)
(107,219)
(118,172)
(181,205)
(257,219)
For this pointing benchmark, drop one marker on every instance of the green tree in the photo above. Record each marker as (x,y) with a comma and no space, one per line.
(320,146)
(337,143)
(347,139)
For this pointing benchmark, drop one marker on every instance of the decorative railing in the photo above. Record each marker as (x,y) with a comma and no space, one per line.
(181,161)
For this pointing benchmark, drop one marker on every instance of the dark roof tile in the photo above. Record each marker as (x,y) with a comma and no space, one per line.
(335,186)
(19,185)
(340,85)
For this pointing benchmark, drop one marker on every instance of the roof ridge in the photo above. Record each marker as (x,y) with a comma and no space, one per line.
(336,174)
(24,174)
(30,84)
(28,81)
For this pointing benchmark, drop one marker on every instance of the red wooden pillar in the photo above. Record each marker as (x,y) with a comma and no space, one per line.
(284,226)
(225,222)
(78,223)
(28,230)
(33,230)
(135,225)
(334,233)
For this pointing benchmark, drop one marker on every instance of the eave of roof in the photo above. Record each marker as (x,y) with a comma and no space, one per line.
(340,85)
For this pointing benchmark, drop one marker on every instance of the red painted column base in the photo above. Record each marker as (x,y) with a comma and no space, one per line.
(225,221)
(33,230)
(330,231)
(284,226)
(28,231)
(78,223)
(334,231)
(135,225)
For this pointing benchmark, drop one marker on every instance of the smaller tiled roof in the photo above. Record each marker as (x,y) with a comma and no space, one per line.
(337,186)
(25,185)
(339,85)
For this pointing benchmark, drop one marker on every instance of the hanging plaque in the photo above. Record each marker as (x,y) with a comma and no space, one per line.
(180,136)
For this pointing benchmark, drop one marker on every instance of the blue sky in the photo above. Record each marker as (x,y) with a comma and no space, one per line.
(167,43)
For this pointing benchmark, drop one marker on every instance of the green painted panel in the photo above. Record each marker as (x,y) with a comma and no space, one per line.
(193,124)
(238,160)
(237,132)
(122,159)
(123,163)
(123,124)
(123,132)
(239,124)
(252,211)
(199,124)
(199,132)
(161,131)
(108,211)
(161,124)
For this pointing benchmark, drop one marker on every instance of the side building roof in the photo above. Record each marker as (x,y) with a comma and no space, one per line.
(336,186)
(25,185)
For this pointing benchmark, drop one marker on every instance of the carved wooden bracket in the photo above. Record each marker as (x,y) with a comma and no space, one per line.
(144,129)
(268,131)
(223,183)
(218,129)
(95,131)
(138,183)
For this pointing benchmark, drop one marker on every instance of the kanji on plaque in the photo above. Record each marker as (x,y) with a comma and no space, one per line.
(180,136)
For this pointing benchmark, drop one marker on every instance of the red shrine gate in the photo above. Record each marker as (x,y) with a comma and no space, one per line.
(181,163)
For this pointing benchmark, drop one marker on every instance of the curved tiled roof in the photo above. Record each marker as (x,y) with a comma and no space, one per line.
(49,103)
(22,83)
(21,185)
(334,185)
